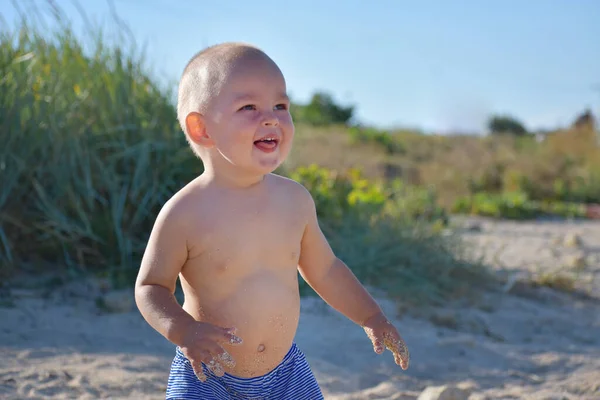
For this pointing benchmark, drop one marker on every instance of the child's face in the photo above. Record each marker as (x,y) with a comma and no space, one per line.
(250,122)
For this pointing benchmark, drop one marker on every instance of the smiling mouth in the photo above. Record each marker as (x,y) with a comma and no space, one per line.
(267,145)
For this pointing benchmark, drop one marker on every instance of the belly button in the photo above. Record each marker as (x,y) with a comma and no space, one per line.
(261,348)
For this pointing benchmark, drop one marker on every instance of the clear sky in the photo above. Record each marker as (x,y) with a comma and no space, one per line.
(433,64)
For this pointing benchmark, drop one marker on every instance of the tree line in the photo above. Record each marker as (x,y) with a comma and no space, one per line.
(323,110)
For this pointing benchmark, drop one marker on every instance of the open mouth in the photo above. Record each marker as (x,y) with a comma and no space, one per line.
(267,144)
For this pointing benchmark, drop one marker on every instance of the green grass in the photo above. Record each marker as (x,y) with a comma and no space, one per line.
(92,151)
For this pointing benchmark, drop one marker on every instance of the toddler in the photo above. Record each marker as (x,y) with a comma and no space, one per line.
(236,237)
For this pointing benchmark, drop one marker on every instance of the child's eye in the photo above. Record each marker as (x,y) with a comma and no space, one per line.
(281,107)
(248,107)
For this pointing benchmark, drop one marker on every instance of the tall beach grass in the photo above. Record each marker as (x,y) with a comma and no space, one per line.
(91,150)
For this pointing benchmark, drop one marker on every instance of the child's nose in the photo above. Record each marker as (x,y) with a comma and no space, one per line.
(270,119)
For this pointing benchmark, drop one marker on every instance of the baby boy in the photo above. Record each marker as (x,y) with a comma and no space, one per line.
(236,237)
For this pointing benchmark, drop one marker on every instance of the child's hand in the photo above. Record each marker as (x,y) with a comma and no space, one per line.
(382,333)
(202,344)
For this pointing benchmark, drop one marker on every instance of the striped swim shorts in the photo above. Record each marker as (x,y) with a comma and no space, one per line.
(291,379)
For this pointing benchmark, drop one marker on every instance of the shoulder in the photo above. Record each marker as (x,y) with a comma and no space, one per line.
(295,192)
(292,187)
(177,210)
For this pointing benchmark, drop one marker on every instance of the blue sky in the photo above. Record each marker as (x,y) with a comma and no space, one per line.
(438,65)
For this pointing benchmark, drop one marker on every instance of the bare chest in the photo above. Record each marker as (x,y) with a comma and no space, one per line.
(266,236)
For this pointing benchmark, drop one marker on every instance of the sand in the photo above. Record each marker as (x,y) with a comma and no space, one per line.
(520,343)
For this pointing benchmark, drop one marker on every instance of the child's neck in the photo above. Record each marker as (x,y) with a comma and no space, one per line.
(231,179)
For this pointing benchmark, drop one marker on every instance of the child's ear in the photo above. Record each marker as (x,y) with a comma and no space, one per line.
(196,128)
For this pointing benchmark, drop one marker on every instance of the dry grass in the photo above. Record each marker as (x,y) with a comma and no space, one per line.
(332,148)
(459,166)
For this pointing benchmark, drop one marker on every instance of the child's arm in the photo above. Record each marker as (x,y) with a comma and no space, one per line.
(165,255)
(331,278)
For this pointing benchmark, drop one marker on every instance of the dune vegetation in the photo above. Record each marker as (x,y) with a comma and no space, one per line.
(92,151)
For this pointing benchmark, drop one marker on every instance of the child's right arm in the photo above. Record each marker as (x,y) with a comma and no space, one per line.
(165,255)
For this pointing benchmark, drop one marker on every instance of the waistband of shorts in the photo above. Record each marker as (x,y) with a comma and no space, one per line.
(292,353)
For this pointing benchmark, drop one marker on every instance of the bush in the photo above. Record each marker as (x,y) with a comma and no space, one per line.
(581,189)
(504,124)
(321,111)
(340,194)
(515,205)
(387,235)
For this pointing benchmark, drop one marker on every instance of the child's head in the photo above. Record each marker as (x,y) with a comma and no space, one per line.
(234,110)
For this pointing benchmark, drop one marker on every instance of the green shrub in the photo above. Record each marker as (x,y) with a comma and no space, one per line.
(322,110)
(505,124)
(387,234)
(339,194)
(581,189)
(515,205)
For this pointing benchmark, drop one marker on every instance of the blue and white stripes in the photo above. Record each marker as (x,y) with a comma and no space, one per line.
(291,379)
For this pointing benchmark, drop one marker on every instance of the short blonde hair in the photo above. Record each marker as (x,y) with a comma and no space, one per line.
(204,76)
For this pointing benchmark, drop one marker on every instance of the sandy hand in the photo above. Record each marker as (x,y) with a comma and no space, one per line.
(202,344)
(384,335)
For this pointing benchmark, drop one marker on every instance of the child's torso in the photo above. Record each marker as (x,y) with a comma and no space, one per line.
(242,272)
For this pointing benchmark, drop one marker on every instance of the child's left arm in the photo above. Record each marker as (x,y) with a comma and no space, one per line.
(331,278)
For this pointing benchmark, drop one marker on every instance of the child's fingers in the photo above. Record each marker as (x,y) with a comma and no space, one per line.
(377,345)
(404,354)
(196,362)
(376,340)
(400,360)
(199,372)
(389,337)
(216,367)
(402,357)
(217,359)
(399,349)
(226,359)
(230,336)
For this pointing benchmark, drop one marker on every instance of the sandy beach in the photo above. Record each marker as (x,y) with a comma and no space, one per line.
(519,342)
